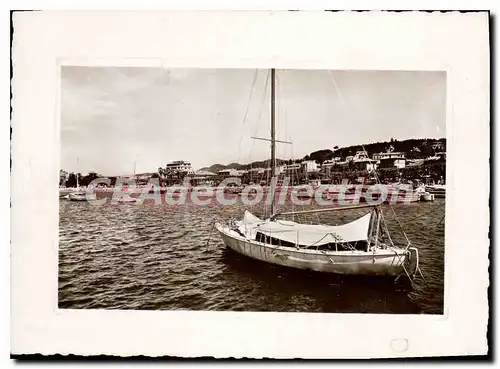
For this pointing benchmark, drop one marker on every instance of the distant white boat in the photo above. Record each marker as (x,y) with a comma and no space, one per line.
(426,196)
(436,188)
(439,191)
(234,190)
(127,199)
(423,194)
(65,191)
(77,196)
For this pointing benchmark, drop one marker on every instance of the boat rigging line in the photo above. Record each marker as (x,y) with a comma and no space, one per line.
(246,112)
(321,210)
(264,95)
(210,234)
(363,146)
(427,213)
(408,246)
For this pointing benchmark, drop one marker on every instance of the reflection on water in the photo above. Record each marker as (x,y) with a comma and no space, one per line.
(156,257)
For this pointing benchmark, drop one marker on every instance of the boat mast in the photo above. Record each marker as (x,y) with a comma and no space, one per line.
(273,139)
(77,184)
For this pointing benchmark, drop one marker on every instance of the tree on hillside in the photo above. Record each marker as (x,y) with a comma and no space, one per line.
(70,179)
(86,180)
(71,182)
(320,156)
(426,151)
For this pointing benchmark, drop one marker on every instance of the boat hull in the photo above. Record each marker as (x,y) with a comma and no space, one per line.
(380,263)
(77,197)
(439,192)
(427,197)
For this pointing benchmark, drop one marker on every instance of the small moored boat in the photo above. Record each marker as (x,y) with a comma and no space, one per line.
(426,196)
(77,196)
(127,199)
(439,191)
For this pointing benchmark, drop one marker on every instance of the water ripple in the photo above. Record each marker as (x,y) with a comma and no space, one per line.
(157,257)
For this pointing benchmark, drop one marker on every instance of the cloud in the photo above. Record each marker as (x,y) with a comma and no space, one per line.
(113,117)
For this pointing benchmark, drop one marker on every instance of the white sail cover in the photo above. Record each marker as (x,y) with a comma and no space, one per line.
(306,234)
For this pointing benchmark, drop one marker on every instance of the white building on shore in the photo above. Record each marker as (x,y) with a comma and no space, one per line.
(230,173)
(179,166)
(309,166)
(390,159)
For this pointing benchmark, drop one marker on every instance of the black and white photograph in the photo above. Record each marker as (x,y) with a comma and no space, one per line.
(252,190)
(225,184)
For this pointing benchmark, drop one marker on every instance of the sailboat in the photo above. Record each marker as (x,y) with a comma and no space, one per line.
(361,247)
(79,194)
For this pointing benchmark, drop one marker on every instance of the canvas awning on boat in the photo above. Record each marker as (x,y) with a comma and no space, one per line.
(307,234)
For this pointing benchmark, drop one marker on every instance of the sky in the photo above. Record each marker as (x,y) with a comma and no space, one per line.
(115,118)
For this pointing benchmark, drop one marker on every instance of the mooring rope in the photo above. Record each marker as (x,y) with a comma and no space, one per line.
(246,113)
(210,234)
(427,213)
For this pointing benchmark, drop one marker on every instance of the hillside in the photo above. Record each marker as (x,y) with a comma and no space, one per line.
(413,148)
(256,164)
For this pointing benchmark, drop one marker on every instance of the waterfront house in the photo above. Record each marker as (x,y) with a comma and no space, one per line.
(309,167)
(255,171)
(328,165)
(437,145)
(204,174)
(255,174)
(293,169)
(364,164)
(360,155)
(361,161)
(390,160)
(203,177)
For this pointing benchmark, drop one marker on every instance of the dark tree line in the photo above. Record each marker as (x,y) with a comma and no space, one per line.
(82,180)
(413,148)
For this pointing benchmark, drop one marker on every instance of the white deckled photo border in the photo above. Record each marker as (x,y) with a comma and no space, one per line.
(44,41)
